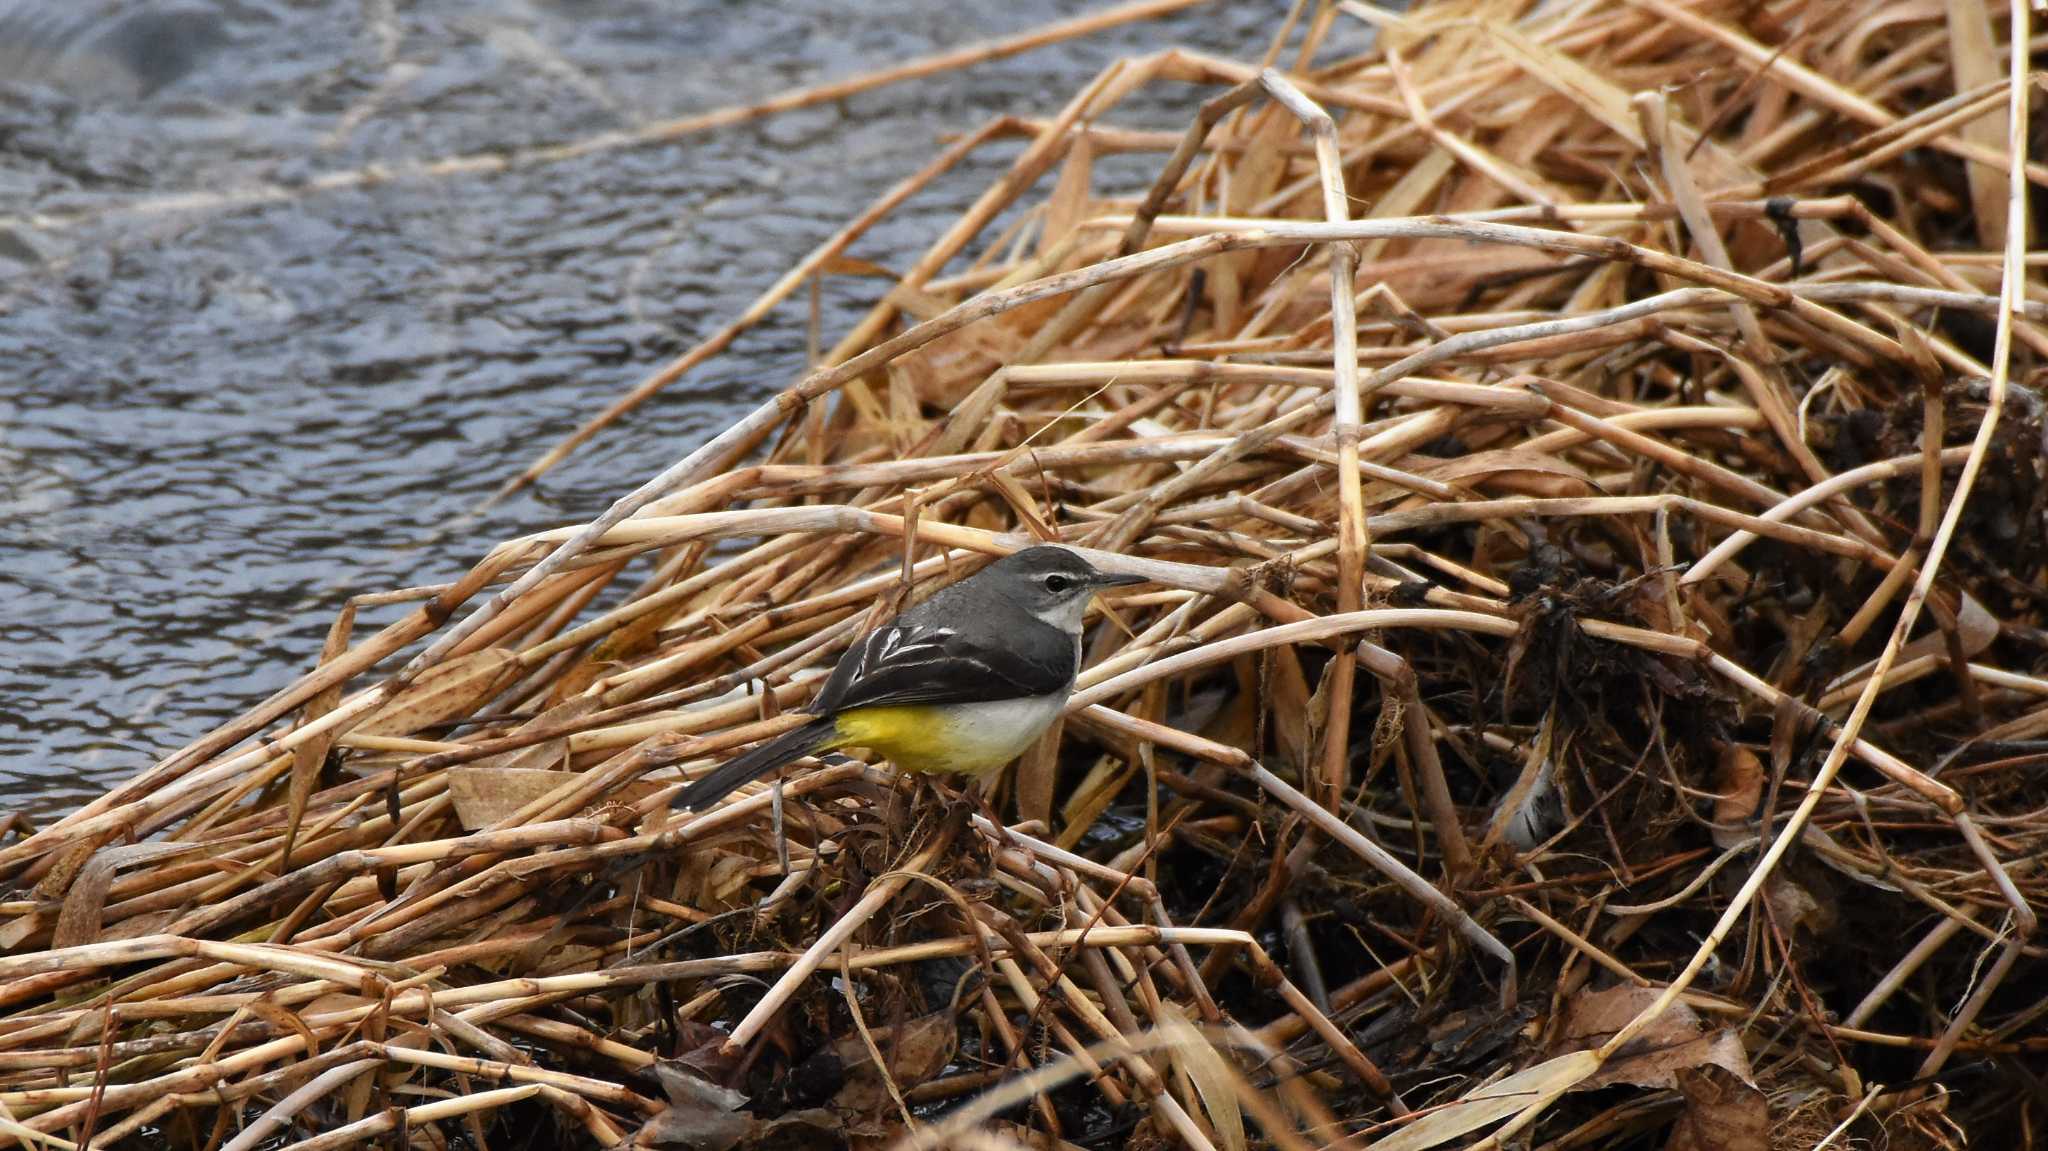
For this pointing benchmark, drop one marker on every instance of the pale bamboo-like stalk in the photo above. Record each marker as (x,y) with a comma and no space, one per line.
(1395,365)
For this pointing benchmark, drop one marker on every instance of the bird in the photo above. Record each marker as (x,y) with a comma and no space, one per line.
(962,683)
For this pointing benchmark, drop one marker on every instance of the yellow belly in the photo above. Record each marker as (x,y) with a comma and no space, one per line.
(959,738)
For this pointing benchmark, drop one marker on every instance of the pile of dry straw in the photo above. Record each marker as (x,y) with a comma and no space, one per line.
(1590,697)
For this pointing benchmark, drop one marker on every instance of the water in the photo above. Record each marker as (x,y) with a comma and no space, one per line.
(215,426)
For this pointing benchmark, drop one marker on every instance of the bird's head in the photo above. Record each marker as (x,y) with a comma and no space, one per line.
(1053,583)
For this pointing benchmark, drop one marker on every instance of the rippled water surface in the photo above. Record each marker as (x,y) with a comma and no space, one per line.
(217,424)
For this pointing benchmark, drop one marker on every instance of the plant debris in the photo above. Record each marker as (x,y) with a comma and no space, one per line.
(1590,457)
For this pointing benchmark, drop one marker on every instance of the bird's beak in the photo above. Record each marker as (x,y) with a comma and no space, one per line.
(1116,579)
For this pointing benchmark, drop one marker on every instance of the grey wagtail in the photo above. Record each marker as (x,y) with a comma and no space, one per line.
(963,682)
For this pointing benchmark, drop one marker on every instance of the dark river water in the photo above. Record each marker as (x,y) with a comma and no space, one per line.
(216,424)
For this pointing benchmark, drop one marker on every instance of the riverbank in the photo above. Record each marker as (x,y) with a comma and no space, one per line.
(1592,491)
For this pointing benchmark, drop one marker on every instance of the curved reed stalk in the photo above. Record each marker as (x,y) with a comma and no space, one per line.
(1527,423)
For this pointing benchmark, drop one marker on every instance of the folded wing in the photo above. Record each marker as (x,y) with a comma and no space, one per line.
(924,663)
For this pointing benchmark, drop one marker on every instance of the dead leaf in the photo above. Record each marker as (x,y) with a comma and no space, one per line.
(311,754)
(812,1129)
(1267,140)
(1497,467)
(1740,783)
(1211,1074)
(271,1012)
(916,1050)
(1675,1042)
(636,637)
(1294,717)
(334,1002)
(700,1049)
(441,693)
(1593,93)
(1722,1113)
(485,795)
(548,754)
(1474,1038)
(909,382)
(701,1115)
(1793,906)
(1098,790)
(567,957)
(726,879)
(1493,1102)
(1974,58)
(79,921)
(1068,205)
(1037,771)
(57,881)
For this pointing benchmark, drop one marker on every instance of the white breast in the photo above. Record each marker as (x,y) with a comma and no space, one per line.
(984,736)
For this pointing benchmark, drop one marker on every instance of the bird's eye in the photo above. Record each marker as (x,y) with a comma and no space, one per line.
(1058,583)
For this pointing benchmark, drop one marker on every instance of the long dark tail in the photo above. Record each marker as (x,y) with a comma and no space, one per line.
(802,741)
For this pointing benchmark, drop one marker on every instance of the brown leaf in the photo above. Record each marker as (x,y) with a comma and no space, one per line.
(58,880)
(1294,714)
(916,1050)
(909,382)
(1974,57)
(1037,771)
(135,926)
(1740,783)
(1793,906)
(485,795)
(1509,469)
(334,1002)
(1268,139)
(444,692)
(635,637)
(1068,205)
(812,1129)
(1594,94)
(548,754)
(311,754)
(1722,1113)
(726,880)
(701,1116)
(271,1012)
(1097,791)
(1975,626)
(700,1049)
(1675,1042)
(79,921)
(563,958)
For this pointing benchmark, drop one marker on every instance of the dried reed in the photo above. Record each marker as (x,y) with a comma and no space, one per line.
(1529,423)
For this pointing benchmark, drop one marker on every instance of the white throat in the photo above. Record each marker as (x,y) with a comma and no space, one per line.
(1067,616)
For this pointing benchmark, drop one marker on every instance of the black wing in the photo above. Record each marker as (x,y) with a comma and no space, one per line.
(906,663)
